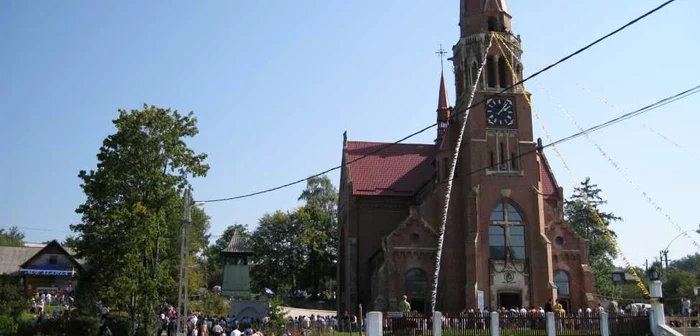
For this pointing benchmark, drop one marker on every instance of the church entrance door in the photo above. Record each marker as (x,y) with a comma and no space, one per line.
(417,305)
(509,300)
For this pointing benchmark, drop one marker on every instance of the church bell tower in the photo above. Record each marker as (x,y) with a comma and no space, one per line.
(508,263)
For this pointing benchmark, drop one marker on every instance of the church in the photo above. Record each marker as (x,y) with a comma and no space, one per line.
(506,242)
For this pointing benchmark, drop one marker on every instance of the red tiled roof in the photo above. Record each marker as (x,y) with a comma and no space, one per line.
(550,189)
(399,170)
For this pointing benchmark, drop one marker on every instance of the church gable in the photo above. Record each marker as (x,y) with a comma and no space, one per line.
(54,255)
(413,232)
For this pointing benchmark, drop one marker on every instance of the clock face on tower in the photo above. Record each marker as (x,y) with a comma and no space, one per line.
(499,112)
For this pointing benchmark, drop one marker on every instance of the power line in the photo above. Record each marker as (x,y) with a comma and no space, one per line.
(547,68)
(635,113)
(645,109)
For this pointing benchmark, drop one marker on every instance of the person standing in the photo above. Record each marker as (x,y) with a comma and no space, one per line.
(404,306)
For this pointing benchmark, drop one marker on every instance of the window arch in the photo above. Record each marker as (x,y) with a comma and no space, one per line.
(503,72)
(491,71)
(475,71)
(416,282)
(506,233)
(492,23)
(505,212)
(561,279)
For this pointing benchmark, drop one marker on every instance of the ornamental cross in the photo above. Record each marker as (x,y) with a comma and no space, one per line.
(441,53)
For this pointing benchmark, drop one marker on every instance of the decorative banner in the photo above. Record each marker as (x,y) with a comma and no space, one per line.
(30,271)
(453,165)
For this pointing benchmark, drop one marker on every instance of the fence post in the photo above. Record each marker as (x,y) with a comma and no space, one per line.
(551,324)
(437,323)
(494,324)
(604,324)
(374,323)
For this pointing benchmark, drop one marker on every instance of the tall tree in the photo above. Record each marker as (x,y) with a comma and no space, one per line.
(279,255)
(689,263)
(131,217)
(11,237)
(319,218)
(580,212)
(215,262)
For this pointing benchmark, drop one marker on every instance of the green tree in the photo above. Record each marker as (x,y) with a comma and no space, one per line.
(131,218)
(215,261)
(279,255)
(689,263)
(11,237)
(580,213)
(678,284)
(15,299)
(319,219)
(298,249)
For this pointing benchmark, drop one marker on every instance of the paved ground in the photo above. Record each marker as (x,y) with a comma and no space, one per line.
(293,312)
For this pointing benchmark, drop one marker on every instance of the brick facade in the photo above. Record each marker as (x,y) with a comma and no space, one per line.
(505,235)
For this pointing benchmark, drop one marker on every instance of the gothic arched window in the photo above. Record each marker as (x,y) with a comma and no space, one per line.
(561,279)
(492,24)
(491,71)
(475,71)
(416,283)
(506,233)
(503,72)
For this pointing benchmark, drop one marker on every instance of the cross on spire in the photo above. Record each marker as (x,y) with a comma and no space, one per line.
(441,53)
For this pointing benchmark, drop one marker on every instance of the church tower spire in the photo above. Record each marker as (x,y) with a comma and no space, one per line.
(478,16)
(443,109)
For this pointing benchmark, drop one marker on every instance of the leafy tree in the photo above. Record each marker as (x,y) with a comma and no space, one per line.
(131,218)
(215,262)
(11,237)
(15,298)
(211,305)
(278,252)
(678,284)
(581,217)
(298,249)
(689,263)
(320,192)
(321,229)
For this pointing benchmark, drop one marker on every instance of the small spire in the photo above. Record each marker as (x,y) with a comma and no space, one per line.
(443,101)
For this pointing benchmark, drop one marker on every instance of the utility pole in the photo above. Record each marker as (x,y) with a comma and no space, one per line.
(183,294)
(664,258)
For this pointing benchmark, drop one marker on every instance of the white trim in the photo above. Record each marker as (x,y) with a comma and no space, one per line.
(479,140)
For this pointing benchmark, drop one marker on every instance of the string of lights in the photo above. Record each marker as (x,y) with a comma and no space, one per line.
(603,153)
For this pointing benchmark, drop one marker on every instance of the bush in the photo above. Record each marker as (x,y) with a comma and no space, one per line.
(8,325)
(15,298)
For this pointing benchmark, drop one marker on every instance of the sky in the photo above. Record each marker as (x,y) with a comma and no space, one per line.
(275,83)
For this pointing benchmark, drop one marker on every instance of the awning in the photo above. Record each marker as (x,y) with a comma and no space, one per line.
(40,271)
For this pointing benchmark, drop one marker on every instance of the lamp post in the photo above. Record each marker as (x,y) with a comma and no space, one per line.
(664,253)
(656,317)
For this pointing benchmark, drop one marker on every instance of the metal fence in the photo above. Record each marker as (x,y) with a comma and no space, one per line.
(522,323)
(407,324)
(466,324)
(531,323)
(588,324)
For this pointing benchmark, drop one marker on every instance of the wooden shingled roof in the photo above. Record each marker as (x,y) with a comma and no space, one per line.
(236,245)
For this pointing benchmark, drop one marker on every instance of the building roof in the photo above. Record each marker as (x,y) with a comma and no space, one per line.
(399,170)
(11,257)
(236,244)
(550,188)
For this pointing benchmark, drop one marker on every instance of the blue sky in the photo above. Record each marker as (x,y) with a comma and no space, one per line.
(275,83)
